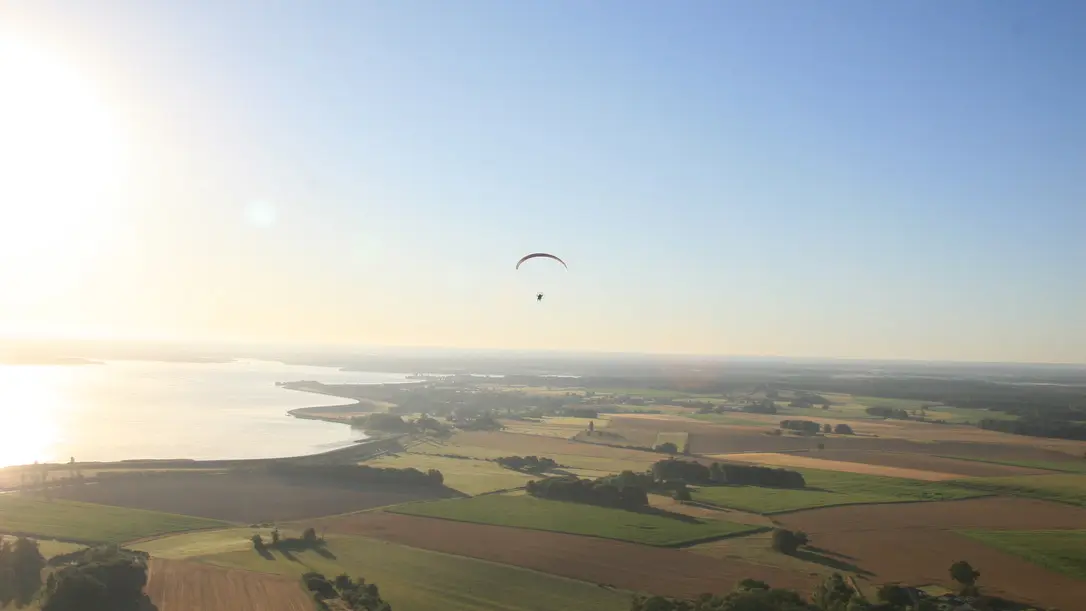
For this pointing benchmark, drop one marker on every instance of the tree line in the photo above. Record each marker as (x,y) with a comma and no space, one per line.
(353,594)
(722,473)
(105,578)
(527,464)
(1034,427)
(357,474)
(591,492)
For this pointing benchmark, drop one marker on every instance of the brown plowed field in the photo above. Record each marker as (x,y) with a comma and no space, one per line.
(616,563)
(177,585)
(917,438)
(923,462)
(915,543)
(238,497)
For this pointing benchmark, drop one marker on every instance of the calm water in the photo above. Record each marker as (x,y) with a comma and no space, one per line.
(138,409)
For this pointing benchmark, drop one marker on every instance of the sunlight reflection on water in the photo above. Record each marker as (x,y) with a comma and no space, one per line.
(134,409)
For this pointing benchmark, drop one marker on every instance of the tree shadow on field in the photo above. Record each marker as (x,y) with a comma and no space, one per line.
(663,513)
(145,604)
(821,557)
(265,554)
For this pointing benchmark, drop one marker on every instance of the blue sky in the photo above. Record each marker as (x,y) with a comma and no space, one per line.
(890,179)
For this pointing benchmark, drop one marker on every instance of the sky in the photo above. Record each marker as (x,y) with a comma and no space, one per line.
(843,179)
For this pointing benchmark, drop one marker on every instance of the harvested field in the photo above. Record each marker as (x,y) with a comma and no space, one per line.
(906,437)
(758,549)
(177,585)
(623,565)
(240,497)
(986,513)
(87,522)
(414,579)
(467,475)
(804,460)
(523,511)
(923,543)
(570,453)
(924,462)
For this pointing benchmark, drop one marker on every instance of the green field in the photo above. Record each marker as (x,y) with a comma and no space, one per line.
(50,548)
(204,543)
(1050,465)
(737,419)
(466,475)
(679,439)
(828,489)
(1057,550)
(594,463)
(529,512)
(1063,488)
(966,415)
(87,522)
(412,579)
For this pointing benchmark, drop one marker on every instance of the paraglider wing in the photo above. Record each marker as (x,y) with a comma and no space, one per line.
(536,255)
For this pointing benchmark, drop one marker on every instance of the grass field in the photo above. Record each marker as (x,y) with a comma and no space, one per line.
(575,518)
(1050,465)
(206,543)
(469,476)
(736,419)
(50,548)
(828,489)
(577,455)
(1057,550)
(962,415)
(679,439)
(88,522)
(1063,487)
(412,579)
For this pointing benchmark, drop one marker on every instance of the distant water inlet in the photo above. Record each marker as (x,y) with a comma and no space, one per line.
(140,409)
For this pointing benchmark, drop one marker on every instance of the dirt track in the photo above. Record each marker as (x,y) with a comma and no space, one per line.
(616,563)
(177,585)
(915,543)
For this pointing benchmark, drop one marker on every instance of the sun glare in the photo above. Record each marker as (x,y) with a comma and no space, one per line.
(61,165)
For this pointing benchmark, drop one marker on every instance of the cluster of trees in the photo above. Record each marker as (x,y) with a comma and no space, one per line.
(486,422)
(692,472)
(349,593)
(1036,427)
(591,492)
(888,412)
(387,423)
(527,464)
(803,426)
(755,475)
(356,474)
(308,540)
(99,579)
(765,406)
(834,593)
(20,571)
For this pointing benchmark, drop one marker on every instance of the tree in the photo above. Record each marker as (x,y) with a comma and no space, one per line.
(682,493)
(843,429)
(275,537)
(821,446)
(826,428)
(103,579)
(788,542)
(26,566)
(667,447)
(343,582)
(893,594)
(833,594)
(964,573)
(258,543)
(309,535)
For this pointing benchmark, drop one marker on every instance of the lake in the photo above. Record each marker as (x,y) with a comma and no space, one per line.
(142,409)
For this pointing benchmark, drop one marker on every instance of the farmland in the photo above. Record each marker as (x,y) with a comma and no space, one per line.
(815,461)
(421,580)
(239,496)
(575,518)
(594,457)
(1064,488)
(827,489)
(175,585)
(87,522)
(468,475)
(604,561)
(1058,550)
(923,536)
(924,462)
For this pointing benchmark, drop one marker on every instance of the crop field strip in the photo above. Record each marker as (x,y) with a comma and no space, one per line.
(578,519)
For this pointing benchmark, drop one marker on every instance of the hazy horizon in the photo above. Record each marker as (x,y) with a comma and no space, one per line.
(838,181)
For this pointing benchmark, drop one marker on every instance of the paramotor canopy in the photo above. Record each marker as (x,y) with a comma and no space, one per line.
(545,255)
